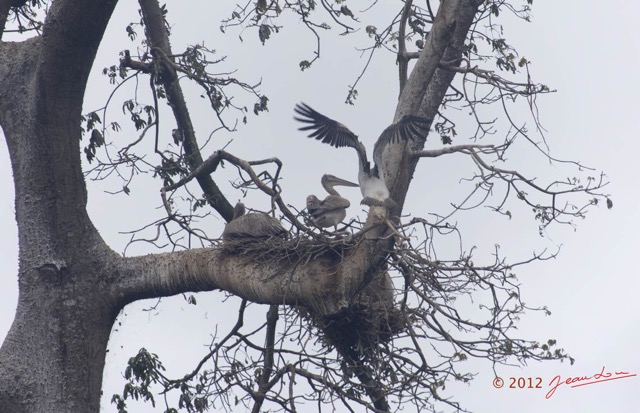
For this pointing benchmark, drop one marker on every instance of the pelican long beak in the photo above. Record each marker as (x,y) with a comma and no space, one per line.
(343,182)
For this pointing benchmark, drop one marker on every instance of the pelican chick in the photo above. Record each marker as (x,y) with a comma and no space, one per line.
(333,209)
(253,226)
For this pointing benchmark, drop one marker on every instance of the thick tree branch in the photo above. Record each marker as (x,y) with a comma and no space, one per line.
(161,49)
(65,54)
(441,80)
(435,45)
(41,106)
(426,88)
(397,170)
(278,278)
(73,32)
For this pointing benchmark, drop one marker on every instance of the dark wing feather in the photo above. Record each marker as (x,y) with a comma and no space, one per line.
(333,202)
(323,128)
(313,204)
(408,128)
(317,208)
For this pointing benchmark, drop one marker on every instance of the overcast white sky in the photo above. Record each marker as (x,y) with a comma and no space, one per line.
(588,51)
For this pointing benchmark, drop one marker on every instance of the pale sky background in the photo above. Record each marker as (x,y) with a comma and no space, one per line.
(588,51)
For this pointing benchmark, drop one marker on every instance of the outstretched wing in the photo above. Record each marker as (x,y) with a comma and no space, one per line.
(323,128)
(409,127)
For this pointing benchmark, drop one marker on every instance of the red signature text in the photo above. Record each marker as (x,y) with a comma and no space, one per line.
(585,380)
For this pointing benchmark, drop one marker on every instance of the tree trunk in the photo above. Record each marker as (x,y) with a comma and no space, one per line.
(53,357)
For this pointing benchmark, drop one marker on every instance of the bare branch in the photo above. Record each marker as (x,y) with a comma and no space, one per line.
(269,347)
(403,59)
(434,153)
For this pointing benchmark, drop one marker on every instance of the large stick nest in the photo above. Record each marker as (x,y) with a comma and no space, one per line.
(358,328)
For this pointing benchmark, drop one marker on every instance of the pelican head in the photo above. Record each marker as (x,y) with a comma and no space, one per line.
(329,181)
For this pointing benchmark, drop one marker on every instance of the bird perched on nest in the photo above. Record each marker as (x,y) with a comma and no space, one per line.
(330,211)
(371,180)
(253,226)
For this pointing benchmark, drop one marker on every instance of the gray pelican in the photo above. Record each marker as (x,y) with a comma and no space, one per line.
(331,210)
(372,185)
(256,226)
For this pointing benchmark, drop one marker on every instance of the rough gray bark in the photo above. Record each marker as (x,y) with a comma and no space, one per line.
(72,285)
(426,87)
(53,356)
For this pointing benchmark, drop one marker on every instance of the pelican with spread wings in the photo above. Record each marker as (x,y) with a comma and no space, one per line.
(371,180)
